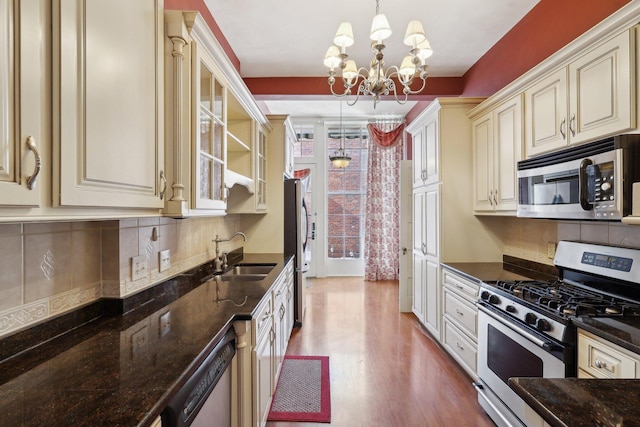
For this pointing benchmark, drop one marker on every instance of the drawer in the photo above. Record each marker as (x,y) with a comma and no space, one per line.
(463,350)
(464,315)
(263,320)
(460,285)
(604,359)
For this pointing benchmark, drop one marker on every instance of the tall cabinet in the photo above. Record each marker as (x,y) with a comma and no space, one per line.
(444,227)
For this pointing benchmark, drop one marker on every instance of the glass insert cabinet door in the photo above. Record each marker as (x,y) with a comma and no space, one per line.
(210,138)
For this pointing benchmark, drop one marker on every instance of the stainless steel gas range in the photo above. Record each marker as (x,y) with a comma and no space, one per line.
(525,327)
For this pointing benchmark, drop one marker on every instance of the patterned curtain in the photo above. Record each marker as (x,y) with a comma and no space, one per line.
(382,211)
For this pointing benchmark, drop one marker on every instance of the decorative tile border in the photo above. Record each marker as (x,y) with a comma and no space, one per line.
(23,316)
(75,298)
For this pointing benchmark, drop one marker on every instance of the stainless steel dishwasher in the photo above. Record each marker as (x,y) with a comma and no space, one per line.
(205,399)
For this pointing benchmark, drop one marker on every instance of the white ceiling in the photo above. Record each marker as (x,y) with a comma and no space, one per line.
(283,38)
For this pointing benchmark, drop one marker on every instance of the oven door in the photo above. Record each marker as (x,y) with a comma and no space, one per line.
(507,349)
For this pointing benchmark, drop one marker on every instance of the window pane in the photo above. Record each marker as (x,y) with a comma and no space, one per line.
(346,189)
(304,146)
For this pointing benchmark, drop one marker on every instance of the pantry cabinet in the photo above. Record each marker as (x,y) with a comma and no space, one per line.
(444,227)
(108,132)
(590,97)
(497,147)
(214,128)
(23,103)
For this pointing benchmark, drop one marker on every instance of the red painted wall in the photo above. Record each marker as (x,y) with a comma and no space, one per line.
(204,11)
(549,26)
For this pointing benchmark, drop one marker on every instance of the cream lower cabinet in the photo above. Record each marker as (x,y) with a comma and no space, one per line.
(271,329)
(599,358)
(497,147)
(460,335)
(108,128)
(590,97)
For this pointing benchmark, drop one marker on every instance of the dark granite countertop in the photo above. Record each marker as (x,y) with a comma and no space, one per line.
(121,371)
(483,271)
(573,402)
(624,331)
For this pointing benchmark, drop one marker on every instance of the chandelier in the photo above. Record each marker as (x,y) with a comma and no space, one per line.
(340,159)
(376,80)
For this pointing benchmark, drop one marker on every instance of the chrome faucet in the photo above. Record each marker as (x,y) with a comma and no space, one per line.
(221,259)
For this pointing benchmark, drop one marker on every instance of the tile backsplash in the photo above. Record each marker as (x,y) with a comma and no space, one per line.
(51,268)
(529,238)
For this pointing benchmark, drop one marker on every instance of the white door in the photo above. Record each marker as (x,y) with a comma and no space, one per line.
(311,248)
(406,236)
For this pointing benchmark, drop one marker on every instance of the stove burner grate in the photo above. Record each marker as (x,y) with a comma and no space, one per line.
(566,299)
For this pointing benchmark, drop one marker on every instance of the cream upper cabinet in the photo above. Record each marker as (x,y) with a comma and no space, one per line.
(213,125)
(108,130)
(425,153)
(23,103)
(591,97)
(497,147)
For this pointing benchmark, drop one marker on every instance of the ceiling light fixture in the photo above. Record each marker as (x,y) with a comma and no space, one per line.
(340,158)
(376,81)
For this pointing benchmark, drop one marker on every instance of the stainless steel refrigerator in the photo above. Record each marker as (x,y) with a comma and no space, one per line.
(295,239)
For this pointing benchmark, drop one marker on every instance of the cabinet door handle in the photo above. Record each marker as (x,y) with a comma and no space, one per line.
(31,181)
(491,197)
(572,123)
(563,123)
(495,199)
(164,185)
(424,248)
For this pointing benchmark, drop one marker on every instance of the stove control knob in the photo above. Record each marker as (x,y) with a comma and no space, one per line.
(510,309)
(605,186)
(493,299)
(530,318)
(542,325)
(484,295)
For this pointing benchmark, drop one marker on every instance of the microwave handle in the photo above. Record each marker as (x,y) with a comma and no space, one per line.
(584,185)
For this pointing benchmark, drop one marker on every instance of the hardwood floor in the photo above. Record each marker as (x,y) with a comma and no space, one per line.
(385,369)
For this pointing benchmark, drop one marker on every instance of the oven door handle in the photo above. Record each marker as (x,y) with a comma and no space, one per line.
(543,344)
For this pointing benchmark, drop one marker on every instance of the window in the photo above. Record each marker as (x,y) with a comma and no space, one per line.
(346,192)
(304,146)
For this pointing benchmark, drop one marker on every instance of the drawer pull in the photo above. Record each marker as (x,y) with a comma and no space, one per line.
(600,364)
(459,312)
(459,346)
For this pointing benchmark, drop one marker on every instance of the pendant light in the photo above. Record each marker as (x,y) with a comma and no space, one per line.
(340,158)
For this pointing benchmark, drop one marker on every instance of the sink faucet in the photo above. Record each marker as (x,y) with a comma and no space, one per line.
(221,260)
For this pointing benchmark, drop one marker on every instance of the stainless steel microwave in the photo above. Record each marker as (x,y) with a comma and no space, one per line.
(590,181)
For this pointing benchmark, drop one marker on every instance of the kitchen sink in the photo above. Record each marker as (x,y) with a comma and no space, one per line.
(248,272)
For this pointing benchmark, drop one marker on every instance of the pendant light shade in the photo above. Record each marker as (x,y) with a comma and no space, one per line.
(340,158)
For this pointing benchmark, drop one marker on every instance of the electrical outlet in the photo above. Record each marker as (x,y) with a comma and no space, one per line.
(165,260)
(165,323)
(139,267)
(551,250)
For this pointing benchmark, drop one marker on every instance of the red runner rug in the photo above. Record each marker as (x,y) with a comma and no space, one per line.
(302,393)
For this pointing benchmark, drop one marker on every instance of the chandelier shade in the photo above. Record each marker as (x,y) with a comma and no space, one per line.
(376,80)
